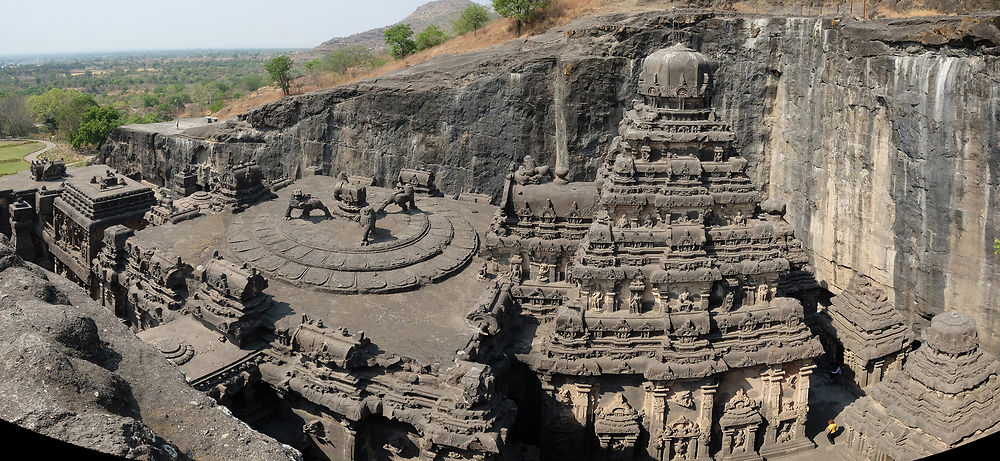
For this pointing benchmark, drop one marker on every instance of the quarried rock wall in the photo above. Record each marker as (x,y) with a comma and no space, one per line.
(882,136)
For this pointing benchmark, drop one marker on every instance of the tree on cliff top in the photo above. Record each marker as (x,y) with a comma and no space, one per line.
(430,37)
(398,38)
(473,18)
(520,10)
(279,69)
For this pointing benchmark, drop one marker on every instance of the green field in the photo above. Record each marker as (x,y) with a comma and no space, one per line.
(12,155)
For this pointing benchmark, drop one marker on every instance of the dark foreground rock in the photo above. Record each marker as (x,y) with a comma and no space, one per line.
(881,135)
(70,370)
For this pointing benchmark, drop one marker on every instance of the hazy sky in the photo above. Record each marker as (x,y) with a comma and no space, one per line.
(67,26)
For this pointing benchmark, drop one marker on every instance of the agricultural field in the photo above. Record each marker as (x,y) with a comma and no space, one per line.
(12,155)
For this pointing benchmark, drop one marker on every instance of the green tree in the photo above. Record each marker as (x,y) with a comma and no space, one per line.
(340,60)
(473,18)
(208,94)
(252,82)
(398,38)
(163,111)
(14,117)
(151,117)
(178,100)
(520,10)
(59,109)
(95,126)
(430,37)
(279,69)
(996,246)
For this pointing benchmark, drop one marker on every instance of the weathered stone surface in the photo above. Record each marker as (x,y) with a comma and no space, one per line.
(869,333)
(881,136)
(408,249)
(944,396)
(672,281)
(70,370)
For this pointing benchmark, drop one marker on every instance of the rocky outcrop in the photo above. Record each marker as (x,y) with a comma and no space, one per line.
(70,370)
(881,136)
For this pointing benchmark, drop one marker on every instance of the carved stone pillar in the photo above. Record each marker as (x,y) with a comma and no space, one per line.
(771,398)
(786,432)
(705,416)
(802,400)
(656,398)
(22,230)
(583,402)
(566,410)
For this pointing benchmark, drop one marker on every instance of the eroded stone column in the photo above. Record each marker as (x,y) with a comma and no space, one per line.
(656,397)
(705,416)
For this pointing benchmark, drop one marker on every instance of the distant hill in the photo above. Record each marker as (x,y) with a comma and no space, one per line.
(441,13)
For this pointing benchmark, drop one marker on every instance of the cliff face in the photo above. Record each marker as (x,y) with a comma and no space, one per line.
(882,136)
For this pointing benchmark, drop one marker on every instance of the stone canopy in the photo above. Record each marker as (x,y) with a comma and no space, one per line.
(866,323)
(944,396)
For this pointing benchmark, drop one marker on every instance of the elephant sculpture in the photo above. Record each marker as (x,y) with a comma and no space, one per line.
(306,203)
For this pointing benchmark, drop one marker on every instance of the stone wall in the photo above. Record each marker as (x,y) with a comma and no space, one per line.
(882,136)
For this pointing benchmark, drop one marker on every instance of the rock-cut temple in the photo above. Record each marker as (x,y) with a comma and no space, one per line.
(663,311)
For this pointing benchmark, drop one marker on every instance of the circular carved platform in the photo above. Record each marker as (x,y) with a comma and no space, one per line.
(175,350)
(407,250)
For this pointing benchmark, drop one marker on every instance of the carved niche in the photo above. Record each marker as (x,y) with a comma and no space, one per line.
(681,440)
(617,428)
(740,421)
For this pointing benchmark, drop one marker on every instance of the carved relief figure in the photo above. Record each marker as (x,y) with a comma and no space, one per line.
(684,399)
(727,302)
(597,300)
(402,197)
(306,203)
(529,173)
(635,303)
(684,300)
(739,219)
(623,221)
(516,262)
(367,221)
(543,272)
(739,438)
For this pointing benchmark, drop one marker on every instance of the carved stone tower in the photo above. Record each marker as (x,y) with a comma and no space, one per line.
(673,300)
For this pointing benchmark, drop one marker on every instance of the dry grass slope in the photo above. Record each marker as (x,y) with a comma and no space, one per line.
(561,12)
(558,13)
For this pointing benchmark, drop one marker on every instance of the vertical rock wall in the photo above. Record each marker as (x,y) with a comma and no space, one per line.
(882,136)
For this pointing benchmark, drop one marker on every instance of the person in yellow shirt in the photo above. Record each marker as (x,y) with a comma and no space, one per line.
(831,429)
